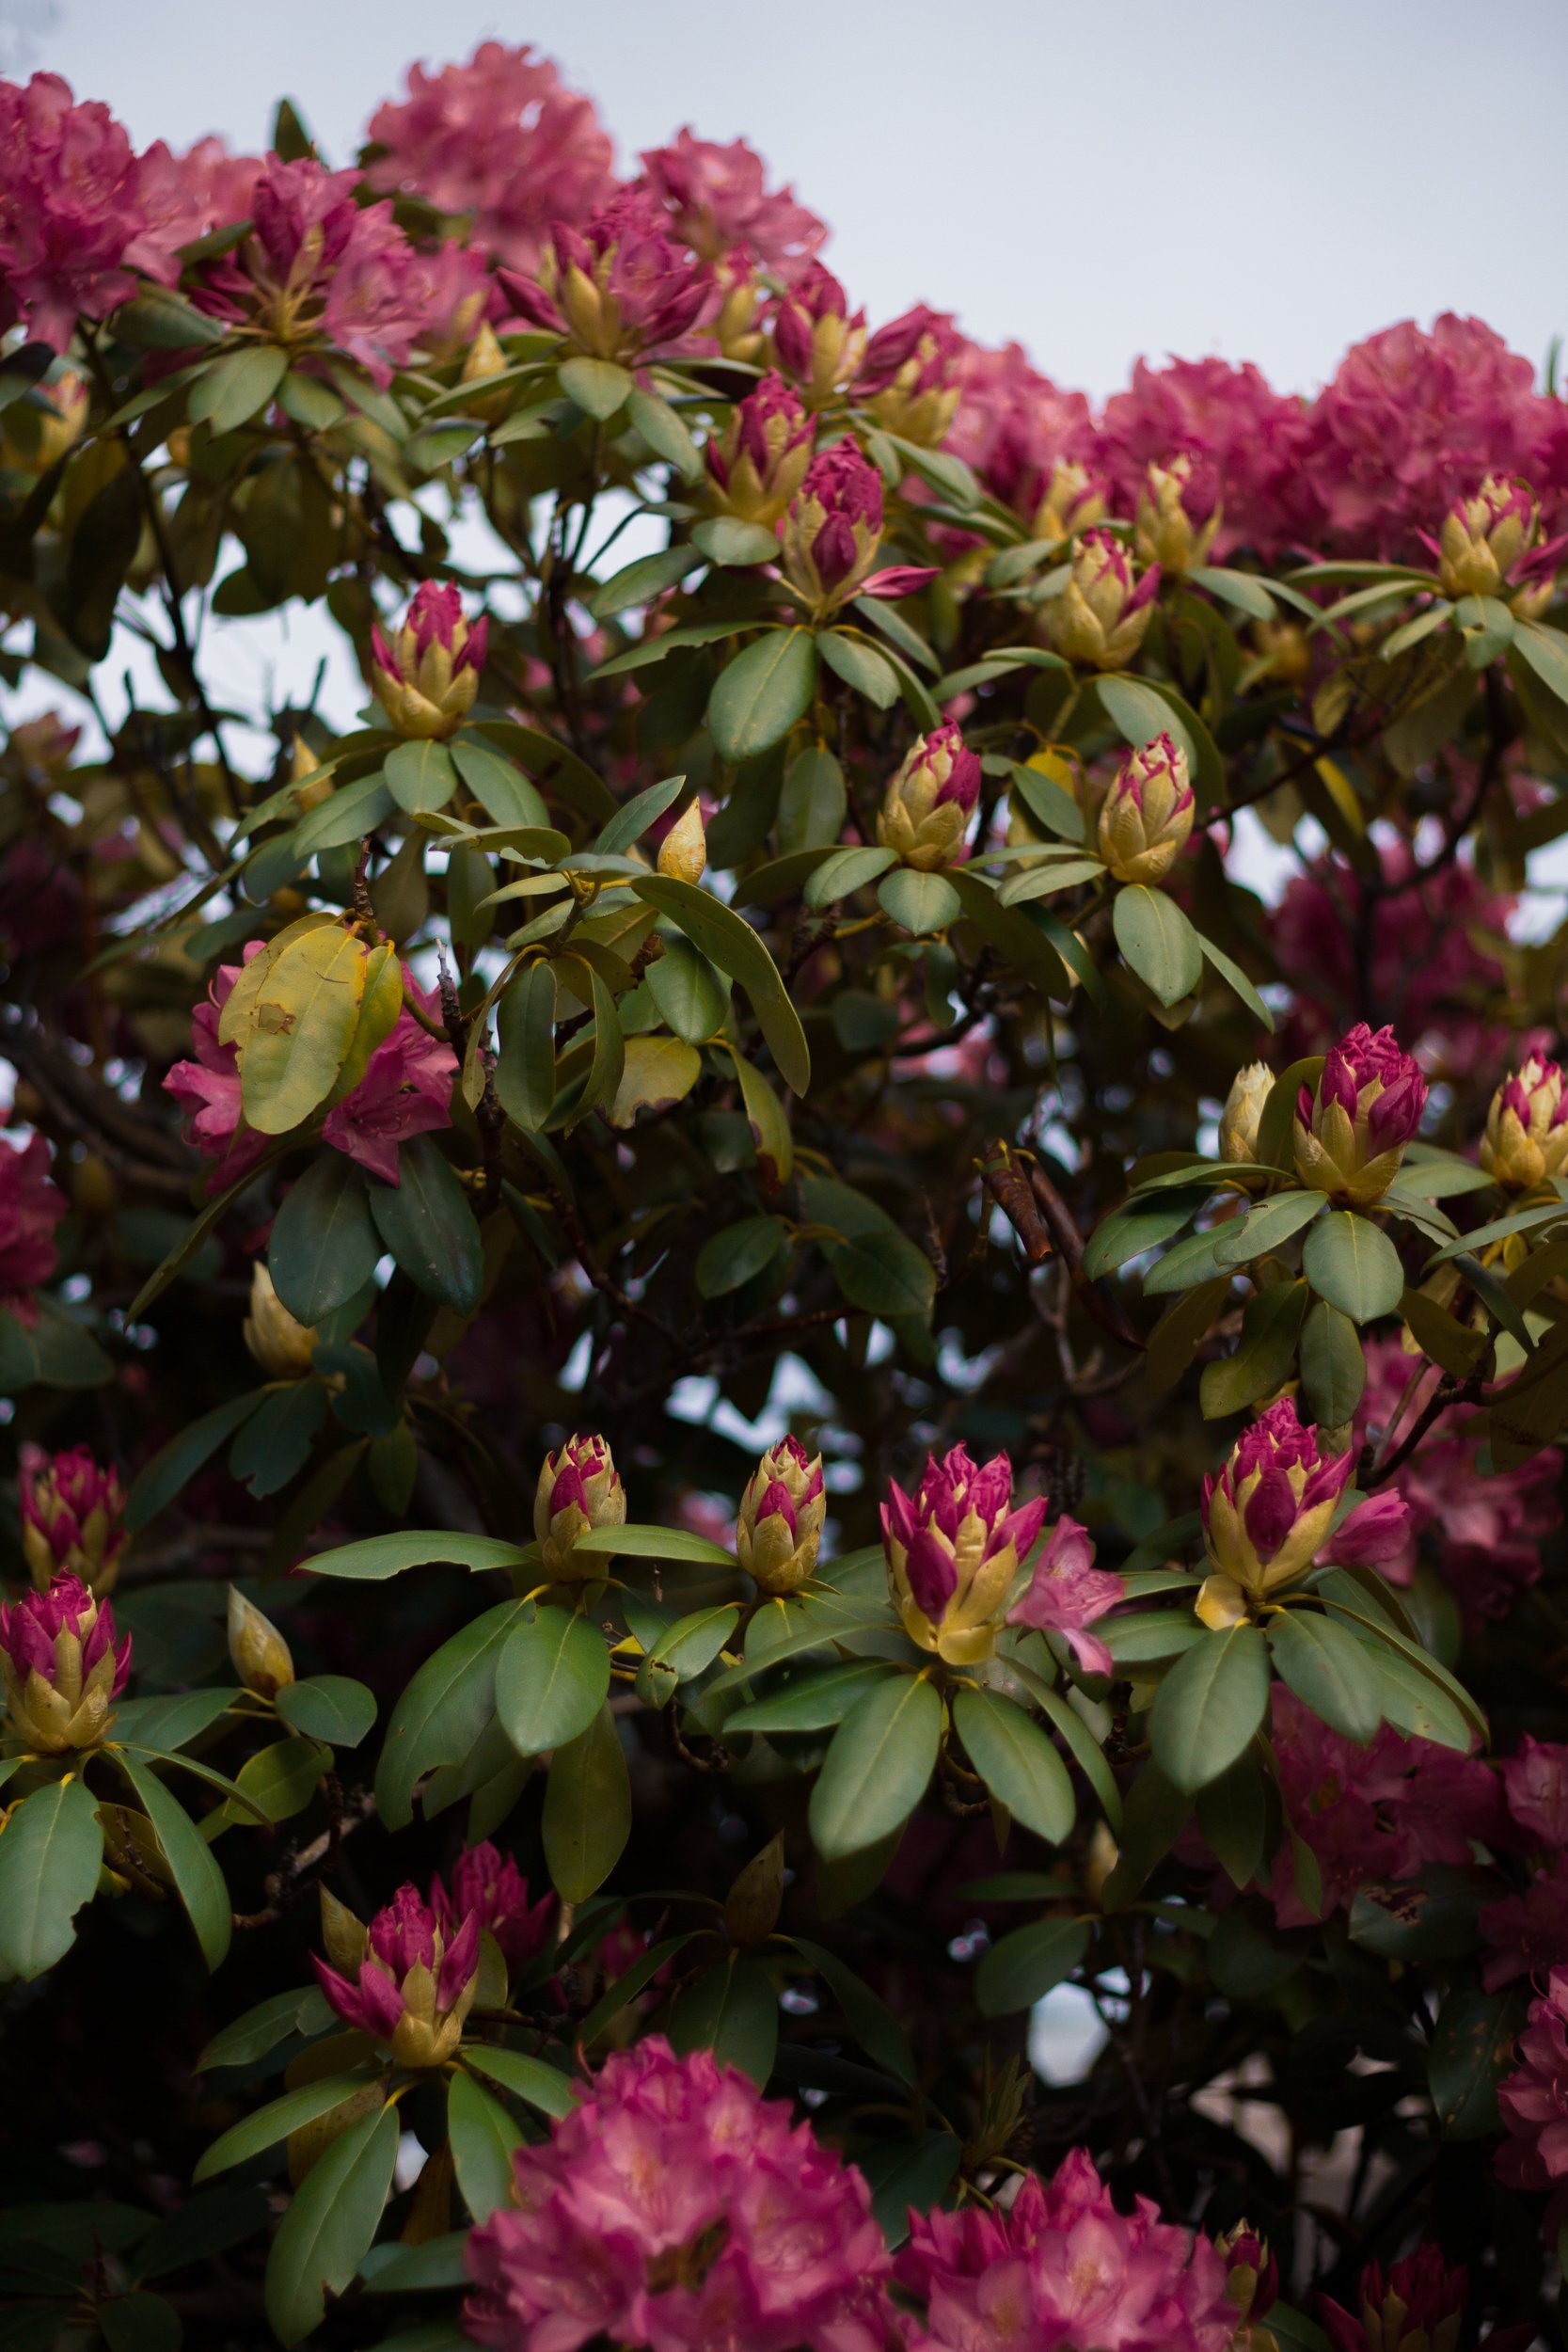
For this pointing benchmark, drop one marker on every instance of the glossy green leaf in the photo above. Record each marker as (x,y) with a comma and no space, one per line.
(49,1862)
(427,1224)
(587,1816)
(738,1254)
(1352,1264)
(1267,1227)
(761,693)
(270,2126)
(377,1557)
(1209,1705)
(1158,942)
(550,1680)
(876,1769)
(922,903)
(1233,1815)
(1021,1966)
(198,1880)
(525,1063)
(1329,1671)
(421,777)
(333,1708)
(1017,1762)
(483,2137)
(690,993)
(325,1245)
(527,2079)
(598,386)
(1332,1364)
(232,389)
(335,2214)
(443,1711)
(1472,2049)
(861,666)
(733,2012)
(736,948)
(1271,1326)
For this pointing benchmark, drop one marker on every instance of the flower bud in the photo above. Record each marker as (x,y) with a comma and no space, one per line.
(1099,618)
(73,1518)
(1418,2307)
(1148,812)
(1267,1515)
(1074,500)
(281,1346)
(683,852)
(926,807)
(1251,2280)
(310,787)
(484,360)
(735,326)
(416,1982)
(427,676)
(753,1903)
(488,1884)
(815,339)
(759,461)
(1250,1090)
(910,376)
(618,288)
(257,1650)
(1483,537)
(834,526)
(60,1667)
(778,1530)
(1527,1128)
(1350,1135)
(578,1488)
(1178,516)
(953,1552)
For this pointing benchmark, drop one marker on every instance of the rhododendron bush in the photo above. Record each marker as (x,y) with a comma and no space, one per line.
(784,1285)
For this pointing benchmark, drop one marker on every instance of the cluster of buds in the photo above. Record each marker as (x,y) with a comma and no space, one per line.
(759,460)
(1178,516)
(618,288)
(45,423)
(834,526)
(413,1982)
(1074,500)
(427,676)
(282,1345)
(927,808)
(1251,2283)
(73,1518)
(910,376)
(1493,540)
(778,1529)
(1418,2307)
(953,1552)
(257,1651)
(60,1667)
(1350,1133)
(1148,812)
(1527,1128)
(579,1488)
(1099,618)
(1242,1115)
(1268,1515)
(816,341)
(487,1885)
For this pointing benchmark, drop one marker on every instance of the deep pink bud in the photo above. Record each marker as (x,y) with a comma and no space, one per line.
(1416,2308)
(416,1980)
(73,1518)
(834,524)
(953,1552)
(1351,1135)
(488,1886)
(1267,1515)
(61,1667)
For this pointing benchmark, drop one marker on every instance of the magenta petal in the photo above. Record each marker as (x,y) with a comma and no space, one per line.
(1375,1530)
(1271,1512)
(898,579)
(459,1960)
(1089,1650)
(344,1996)
(933,1575)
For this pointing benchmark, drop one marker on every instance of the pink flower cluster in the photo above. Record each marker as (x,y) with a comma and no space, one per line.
(405,1090)
(488,1884)
(414,1982)
(1061,2269)
(1533,2100)
(677,2208)
(30,1208)
(1486,1530)
(1379,1812)
(719,200)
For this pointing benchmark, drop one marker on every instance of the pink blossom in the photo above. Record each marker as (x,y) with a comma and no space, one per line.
(1412,419)
(415,1982)
(1526,1931)
(500,138)
(187,197)
(1013,425)
(1486,1530)
(490,1885)
(72,1516)
(71,211)
(619,287)
(1061,2269)
(1247,443)
(677,2208)
(405,1090)
(718,197)
(956,1537)
(1535,1786)
(1068,1593)
(30,1208)
(1533,2100)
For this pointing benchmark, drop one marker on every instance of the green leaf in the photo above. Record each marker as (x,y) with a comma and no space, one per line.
(877,1767)
(550,1680)
(332,1708)
(1329,1671)
(1035,945)
(587,1815)
(861,666)
(138,2322)
(199,2227)
(1249,595)
(168,1722)
(433,2263)
(883,1274)
(761,693)
(598,386)
(736,948)
(815,1702)
(656,1072)
(738,1254)
(270,2126)
(1332,1364)
(1236,979)
(1017,1762)
(482,2138)
(353,811)
(653,1543)
(1352,1264)
(525,1064)
(198,1881)
(1233,1815)
(1271,1325)
(1021,1967)
(235,386)
(923,903)
(1471,2050)
(1266,1227)
(873,2025)
(1158,942)
(626,1987)
(664,430)
(259,2029)
(276,1440)
(642,581)
(1209,1705)
(733,2012)
(813,802)
(1137,1226)
(49,1862)
(904,2173)
(1431,1916)
(501,790)
(527,2079)
(844,871)
(421,777)
(325,1245)
(427,1224)
(306,1014)
(1546,652)
(377,1557)
(334,2217)
(688,991)
(442,1712)
(689,1646)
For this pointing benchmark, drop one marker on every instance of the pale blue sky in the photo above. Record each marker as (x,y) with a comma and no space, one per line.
(1265,181)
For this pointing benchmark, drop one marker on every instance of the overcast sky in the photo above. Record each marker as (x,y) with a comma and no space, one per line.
(1266,181)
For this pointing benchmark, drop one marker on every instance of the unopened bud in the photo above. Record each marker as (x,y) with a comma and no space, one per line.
(310,787)
(1244,1109)
(257,1650)
(1148,812)
(683,852)
(1527,1128)
(926,807)
(778,1529)
(427,674)
(1074,500)
(751,1905)
(1178,516)
(282,1346)
(578,1488)
(1484,536)
(1099,618)
(342,1932)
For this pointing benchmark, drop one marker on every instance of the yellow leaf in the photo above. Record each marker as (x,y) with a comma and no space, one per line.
(304,1026)
(239,1012)
(658,1071)
(378,1015)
